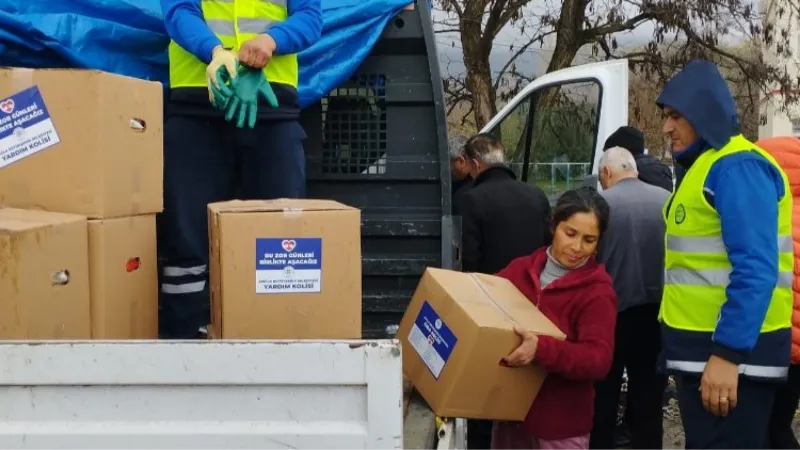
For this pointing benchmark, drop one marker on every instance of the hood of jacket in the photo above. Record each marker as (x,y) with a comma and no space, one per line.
(700,94)
(588,275)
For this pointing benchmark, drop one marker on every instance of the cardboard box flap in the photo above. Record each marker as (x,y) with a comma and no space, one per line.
(277,205)
(513,305)
(14,220)
(493,301)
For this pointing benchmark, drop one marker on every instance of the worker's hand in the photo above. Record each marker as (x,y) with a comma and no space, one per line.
(523,355)
(250,85)
(223,67)
(257,52)
(718,387)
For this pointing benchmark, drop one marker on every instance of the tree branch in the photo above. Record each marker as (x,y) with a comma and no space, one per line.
(520,51)
(493,24)
(453,5)
(589,34)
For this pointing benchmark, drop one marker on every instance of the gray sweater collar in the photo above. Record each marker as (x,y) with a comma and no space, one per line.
(554,270)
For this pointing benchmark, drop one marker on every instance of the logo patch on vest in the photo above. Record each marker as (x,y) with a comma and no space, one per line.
(680,214)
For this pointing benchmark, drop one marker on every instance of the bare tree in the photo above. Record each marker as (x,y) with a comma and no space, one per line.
(700,29)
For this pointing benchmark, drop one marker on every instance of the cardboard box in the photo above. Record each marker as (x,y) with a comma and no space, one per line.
(80,141)
(285,269)
(455,333)
(124,278)
(44,275)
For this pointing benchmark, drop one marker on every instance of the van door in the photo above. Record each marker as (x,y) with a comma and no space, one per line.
(553,131)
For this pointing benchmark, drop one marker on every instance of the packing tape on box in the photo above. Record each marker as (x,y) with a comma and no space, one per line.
(21,78)
(292,212)
(494,302)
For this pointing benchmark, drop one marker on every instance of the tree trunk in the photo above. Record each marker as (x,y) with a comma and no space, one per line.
(479,84)
(569,39)
(479,73)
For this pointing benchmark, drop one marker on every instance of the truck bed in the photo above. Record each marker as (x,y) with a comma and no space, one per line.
(201,394)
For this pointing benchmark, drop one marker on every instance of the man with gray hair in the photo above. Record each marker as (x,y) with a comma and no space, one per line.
(632,250)
(459,169)
(501,219)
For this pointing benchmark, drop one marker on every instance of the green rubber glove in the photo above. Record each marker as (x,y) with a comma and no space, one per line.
(221,92)
(248,87)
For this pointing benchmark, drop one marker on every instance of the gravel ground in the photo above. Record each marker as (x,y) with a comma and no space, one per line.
(673,429)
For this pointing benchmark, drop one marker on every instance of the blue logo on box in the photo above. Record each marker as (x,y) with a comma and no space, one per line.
(25,126)
(288,265)
(432,339)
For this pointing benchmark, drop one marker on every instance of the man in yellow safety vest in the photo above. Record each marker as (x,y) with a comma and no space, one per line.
(208,159)
(727,303)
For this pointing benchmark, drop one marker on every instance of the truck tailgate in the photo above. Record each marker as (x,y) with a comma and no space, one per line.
(201,394)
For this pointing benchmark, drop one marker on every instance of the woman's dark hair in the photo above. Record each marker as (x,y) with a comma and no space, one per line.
(581,200)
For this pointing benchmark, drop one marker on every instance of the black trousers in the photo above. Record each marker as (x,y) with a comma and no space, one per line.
(637,345)
(479,434)
(208,161)
(781,433)
(746,426)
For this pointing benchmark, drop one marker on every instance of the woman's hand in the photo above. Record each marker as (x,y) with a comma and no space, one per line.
(523,355)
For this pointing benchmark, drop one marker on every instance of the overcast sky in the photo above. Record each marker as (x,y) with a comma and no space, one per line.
(535,59)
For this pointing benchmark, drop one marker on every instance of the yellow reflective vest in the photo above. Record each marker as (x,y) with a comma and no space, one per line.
(697,269)
(234,22)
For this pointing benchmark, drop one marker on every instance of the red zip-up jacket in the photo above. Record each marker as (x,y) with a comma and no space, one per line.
(583,305)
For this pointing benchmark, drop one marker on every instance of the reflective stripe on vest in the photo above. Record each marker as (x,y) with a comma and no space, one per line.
(715,277)
(234,22)
(697,268)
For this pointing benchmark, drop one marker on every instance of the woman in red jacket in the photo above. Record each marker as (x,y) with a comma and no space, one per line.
(566,283)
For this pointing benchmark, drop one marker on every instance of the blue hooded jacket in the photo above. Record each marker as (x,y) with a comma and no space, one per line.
(745,189)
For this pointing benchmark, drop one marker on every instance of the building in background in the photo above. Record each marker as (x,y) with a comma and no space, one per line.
(774,120)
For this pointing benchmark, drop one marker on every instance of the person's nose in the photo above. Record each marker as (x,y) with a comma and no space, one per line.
(668,127)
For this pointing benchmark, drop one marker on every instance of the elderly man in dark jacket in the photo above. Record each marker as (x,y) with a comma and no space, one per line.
(502,218)
(459,169)
(651,170)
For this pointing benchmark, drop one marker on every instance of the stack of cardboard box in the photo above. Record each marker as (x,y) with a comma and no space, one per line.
(80,183)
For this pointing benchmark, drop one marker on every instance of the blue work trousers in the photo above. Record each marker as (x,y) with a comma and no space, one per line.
(745,427)
(206,161)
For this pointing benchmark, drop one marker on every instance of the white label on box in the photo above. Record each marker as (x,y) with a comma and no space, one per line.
(431,339)
(25,126)
(288,265)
